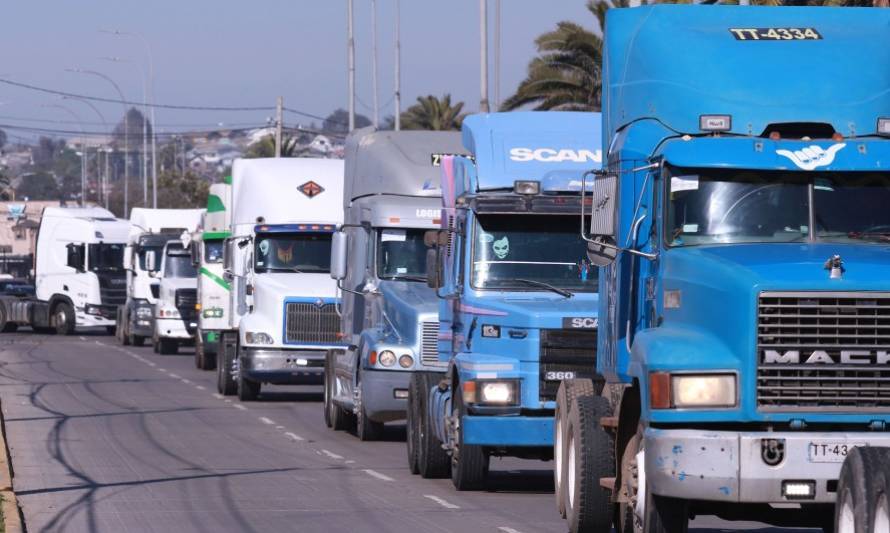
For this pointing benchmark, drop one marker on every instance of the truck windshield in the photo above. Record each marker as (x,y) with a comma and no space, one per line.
(179,265)
(293,252)
(730,206)
(541,249)
(213,251)
(401,254)
(104,256)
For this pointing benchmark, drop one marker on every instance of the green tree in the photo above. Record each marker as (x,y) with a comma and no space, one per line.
(3,139)
(37,186)
(265,147)
(338,122)
(178,191)
(432,113)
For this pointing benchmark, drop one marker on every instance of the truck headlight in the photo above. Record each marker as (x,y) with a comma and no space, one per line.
(406,361)
(692,391)
(491,392)
(143,312)
(387,358)
(92,309)
(258,337)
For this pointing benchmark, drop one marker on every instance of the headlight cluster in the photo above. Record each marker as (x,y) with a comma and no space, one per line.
(258,337)
(692,391)
(168,313)
(143,312)
(92,310)
(490,392)
(388,359)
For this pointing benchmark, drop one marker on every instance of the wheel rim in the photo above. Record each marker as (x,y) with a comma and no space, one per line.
(846,519)
(570,470)
(882,515)
(557,454)
(61,318)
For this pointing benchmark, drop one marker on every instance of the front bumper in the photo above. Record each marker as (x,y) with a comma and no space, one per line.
(379,390)
(282,367)
(727,466)
(175,328)
(99,315)
(508,431)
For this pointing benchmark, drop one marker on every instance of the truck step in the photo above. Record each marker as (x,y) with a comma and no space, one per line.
(609,422)
(608,483)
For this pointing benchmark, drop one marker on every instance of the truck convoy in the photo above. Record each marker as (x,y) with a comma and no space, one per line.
(79,273)
(741,221)
(213,291)
(176,315)
(389,317)
(150,231)
(517,296)
(278,257)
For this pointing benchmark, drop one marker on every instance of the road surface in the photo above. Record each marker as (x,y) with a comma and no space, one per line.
(110,438)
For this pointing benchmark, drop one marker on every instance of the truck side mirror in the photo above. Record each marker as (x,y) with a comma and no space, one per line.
(338,255)
(128,258)
(433,280)
(75,257)
(601,243)
(195,250)
(151,261)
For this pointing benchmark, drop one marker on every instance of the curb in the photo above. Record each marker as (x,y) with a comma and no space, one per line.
(12,519)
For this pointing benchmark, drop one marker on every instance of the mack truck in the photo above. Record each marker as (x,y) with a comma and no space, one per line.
(277,258)
(517,296)
(213,290)
(389,317)
(150,231)
(740,224)
(79,273)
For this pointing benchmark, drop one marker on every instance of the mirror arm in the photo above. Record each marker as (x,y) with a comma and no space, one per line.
(344,289)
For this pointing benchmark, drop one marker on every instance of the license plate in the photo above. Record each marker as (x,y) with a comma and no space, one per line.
(556,375)
(830,451)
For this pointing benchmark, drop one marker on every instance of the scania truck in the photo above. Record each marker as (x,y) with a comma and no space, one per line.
(517,296)
(389,317)
(741,223)
(150,231)
(278,258)
(213,290)
(79,273)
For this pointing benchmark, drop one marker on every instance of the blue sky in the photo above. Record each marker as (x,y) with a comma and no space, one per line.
(227,53)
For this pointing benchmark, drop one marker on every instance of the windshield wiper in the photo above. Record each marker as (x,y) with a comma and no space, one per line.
(562,292)
(407,277)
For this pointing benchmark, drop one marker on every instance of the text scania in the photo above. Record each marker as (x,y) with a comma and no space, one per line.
(549,155)
(847,357)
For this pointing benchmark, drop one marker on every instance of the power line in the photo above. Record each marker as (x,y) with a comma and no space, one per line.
(33,129)
(224,126)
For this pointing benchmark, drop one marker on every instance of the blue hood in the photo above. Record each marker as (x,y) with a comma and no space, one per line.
(532,309)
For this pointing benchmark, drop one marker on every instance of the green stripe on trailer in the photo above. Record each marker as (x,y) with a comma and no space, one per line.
(215,204)
(216,279)
(214,235)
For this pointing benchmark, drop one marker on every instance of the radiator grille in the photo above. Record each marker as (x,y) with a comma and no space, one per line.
(823,351)
(185,303)
(112,288)
(308,322)
(565,353)
(429,344)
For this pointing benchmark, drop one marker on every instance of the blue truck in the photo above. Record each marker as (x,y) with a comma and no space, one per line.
(517,296)
(741,226)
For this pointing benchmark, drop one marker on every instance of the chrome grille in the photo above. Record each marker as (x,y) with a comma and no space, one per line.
(429,344)
(565,352)
(823,351)
(307,322)
(185,300)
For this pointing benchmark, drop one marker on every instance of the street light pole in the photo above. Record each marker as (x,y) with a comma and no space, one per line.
(374,63)
(398,68)
(83,153)
(104,191)
(350,62)
(483,51)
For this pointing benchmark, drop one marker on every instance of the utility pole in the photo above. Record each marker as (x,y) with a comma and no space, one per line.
(350,61)
(107,175)
(483,51)
(374,62)
(279,119)
(398,68)
(497,54)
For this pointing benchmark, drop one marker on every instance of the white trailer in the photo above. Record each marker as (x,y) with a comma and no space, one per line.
(284,301)
(79,273)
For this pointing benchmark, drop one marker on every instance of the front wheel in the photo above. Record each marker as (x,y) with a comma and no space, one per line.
(334,415)
(225,382)
(136,340)
(432,460)
(167,346)
(469,462)
(365,428)
(588,456)
(248,389)
(859,489)
(64,319)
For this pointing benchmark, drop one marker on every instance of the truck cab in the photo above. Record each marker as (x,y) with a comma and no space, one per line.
(389,317)
(284,302)
(742,228)
(175,312)
(213,289)
(517,295)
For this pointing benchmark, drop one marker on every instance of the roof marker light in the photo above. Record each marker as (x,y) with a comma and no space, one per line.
(715,122)
(526,187)
(884,126)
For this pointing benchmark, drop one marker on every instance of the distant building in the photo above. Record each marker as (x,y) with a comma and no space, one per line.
(19,222)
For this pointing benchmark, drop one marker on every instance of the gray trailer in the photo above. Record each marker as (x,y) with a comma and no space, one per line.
(389,317)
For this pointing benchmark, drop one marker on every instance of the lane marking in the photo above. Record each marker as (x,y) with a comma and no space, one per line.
(293,436)
(378,475)
(162,369)
(229,401)
(332,455)
(200,387)
(186,381)
(218,396)
(279,427)
(84,338)
(149,363)
(506,529)
(174,376)
(239,406)
(440,501)
(268,421)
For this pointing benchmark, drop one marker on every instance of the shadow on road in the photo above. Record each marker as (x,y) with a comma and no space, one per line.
(520,481)
(295,396)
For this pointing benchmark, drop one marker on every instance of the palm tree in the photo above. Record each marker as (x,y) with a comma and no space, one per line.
(432,113)
(265,147)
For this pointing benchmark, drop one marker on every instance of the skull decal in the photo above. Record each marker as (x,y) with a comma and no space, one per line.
(501,247)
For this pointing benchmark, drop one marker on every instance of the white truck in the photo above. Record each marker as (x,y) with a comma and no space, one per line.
(284,302)
(79,273)
(150,231)
(213,290)
(175,313)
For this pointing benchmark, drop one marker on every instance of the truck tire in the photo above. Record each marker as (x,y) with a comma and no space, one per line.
(589,456)
(469,462)
(412,415)
(568,390)
(334,415)
(167,346)
(6,327)
(432,460)
(225,383)
(248,389)
(123,333)
(203,360)
(858,489)
(136,340)
(881,512)
(64,320)
(111,330)
(365,428)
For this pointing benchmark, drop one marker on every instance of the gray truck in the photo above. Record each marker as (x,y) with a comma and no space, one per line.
(389,317)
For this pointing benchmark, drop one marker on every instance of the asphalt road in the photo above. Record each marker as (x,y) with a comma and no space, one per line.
(112,438)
